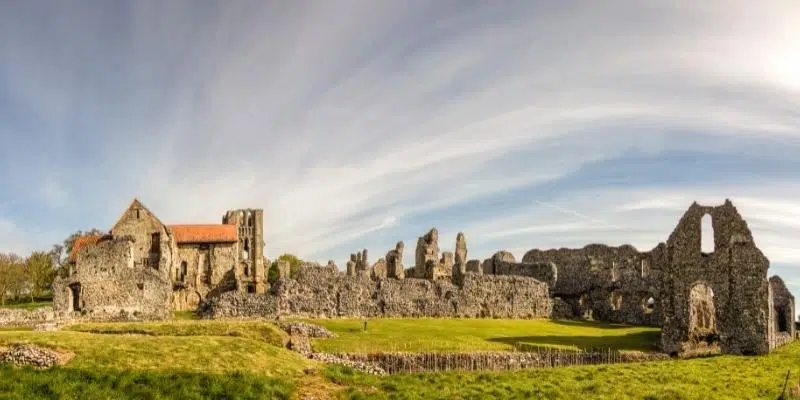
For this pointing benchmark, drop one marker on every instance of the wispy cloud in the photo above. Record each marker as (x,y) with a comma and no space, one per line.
(356,124)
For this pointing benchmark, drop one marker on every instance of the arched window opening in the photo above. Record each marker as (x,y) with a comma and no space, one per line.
(246,250)
(707,235)
(616,301)
(702,314)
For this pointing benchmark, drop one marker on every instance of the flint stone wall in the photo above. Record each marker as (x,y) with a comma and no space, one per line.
(736,273)
(324,292)
(13,318)
(110,287)
(783,312)
(602,282)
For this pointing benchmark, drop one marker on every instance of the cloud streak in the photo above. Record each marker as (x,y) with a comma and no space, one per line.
(356,124)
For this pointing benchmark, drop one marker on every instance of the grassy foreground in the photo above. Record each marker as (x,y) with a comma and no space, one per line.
(724,377)
(245,360)
(479,334)
(186,360)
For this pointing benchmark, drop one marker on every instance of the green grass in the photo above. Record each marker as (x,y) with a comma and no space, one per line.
(184,315)
(256,330)
(246,359)
(479,334)
(214,354)
(69,383)
(723,377)
(27,305)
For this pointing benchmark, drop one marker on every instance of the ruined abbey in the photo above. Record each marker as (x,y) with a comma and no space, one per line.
(143,269)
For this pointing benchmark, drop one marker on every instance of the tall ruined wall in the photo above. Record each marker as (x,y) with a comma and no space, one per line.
(324,292)
(201,269)
(108,286)
(730,285)
(782,311)
(251,271)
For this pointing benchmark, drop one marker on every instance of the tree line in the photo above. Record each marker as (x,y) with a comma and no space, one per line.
(30,278)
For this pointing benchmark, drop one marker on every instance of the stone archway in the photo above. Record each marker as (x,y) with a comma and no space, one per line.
(702,314)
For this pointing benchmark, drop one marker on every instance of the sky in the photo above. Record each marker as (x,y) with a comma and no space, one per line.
(356,124)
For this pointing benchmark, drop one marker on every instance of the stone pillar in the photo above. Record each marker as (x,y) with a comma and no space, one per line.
(394,262)
(461,251)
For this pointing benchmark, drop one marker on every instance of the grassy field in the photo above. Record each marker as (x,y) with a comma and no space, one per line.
(255,330)
(478,334)
(723,377)
(182,359)
(245,360)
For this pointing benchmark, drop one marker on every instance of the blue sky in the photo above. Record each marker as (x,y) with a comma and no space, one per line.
(355,124)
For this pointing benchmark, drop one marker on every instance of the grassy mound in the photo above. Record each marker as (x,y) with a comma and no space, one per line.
(255,330)
(208,354)
(479,334)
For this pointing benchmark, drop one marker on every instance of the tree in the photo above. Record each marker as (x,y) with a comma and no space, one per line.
(39,272)
(12,276)
(294,265)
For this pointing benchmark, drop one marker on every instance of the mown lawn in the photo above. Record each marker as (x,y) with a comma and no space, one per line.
(722,377)
(200,361)
(479,334)
(245,360)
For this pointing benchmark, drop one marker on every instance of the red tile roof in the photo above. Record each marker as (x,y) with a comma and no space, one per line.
(204,233)
(82,241)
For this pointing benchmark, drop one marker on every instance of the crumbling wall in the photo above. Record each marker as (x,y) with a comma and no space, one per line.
(199,269)
(614,284)
(427,252)
(107,286)
(394,262)
(735,273)
(544,272)
(323,292)
(783,311)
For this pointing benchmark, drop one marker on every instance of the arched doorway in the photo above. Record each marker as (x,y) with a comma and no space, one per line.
(702,314)
(75,292)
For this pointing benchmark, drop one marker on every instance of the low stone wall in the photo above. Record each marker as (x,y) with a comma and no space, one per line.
(401,362)
(14,318)
(323,292)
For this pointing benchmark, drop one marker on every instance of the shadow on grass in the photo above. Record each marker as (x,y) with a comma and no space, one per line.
(643,341)
(594,324)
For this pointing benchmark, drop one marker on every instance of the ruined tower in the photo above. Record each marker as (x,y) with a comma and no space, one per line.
(249,271)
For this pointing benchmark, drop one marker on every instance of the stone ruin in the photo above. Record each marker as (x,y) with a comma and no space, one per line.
(723,299)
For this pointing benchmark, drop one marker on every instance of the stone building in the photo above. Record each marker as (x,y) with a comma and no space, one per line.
(722,299)
(719,299)
(129,270)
